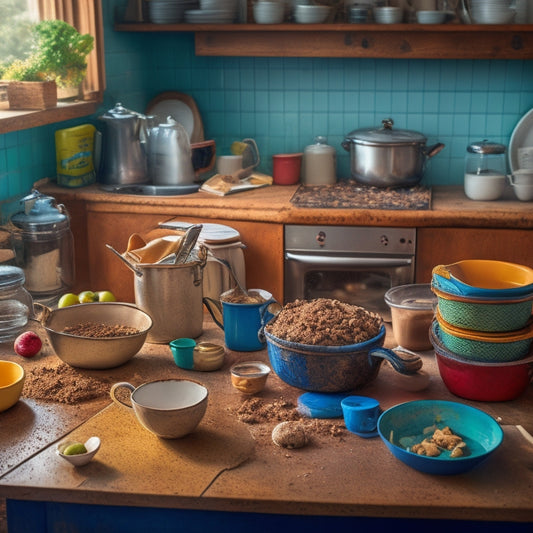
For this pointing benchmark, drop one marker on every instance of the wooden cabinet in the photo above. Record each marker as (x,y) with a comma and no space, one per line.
(100,269)
(407,41)
(442,246)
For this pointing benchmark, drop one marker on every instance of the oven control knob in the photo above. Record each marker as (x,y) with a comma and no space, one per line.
(321,238)
(384,240)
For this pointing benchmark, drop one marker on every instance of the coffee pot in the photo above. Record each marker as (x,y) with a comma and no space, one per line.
(124,155)
(170,155)
(44,246)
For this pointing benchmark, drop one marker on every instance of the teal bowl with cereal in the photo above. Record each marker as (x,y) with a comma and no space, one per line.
(405,426)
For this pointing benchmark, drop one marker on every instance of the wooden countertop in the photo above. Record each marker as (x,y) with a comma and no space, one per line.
(229,465)
(450,207)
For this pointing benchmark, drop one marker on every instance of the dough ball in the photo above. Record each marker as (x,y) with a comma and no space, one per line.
(289,435)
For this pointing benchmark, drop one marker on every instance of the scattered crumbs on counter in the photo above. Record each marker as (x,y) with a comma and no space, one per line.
(63,384)
(255,411)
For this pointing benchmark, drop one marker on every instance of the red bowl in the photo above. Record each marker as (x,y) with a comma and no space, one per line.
(478,380)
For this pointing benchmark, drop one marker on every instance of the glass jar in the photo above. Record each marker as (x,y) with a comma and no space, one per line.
(485,170)
(44,246)
(319,163)
(16,303)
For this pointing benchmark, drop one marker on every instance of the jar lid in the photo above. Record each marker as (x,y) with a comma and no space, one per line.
(385,135)
(321,146)
(486,147)
(209,348)
(11,275)
(41,213)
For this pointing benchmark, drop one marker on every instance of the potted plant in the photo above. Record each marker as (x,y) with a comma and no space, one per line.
(58,60)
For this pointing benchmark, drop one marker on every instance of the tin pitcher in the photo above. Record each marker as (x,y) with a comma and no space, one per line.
(124,158)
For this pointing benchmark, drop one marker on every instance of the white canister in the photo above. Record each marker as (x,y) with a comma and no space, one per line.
(319,163)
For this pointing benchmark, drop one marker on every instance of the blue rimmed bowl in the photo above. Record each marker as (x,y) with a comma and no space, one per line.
(405,423)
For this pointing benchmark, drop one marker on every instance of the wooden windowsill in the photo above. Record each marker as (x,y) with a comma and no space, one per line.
(11,120)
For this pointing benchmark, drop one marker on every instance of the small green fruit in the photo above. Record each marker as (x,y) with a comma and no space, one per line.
(106,296)
(75,449)
(87,297)
(68,299)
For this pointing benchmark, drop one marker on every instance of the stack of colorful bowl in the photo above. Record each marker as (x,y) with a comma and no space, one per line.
(483,329)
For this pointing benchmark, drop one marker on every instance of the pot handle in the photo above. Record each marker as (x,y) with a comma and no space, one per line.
(215,310)
(434,150)
(268,311)
(41,313)
(346,145)
(404,364)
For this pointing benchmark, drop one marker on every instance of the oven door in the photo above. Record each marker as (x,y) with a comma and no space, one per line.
(358,279)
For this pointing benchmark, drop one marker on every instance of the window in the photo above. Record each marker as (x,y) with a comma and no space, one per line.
(86,17)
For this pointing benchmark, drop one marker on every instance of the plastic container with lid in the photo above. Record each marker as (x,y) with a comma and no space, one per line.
(319,166)
(412,310)
(44,246)
(485,171)
(16,303)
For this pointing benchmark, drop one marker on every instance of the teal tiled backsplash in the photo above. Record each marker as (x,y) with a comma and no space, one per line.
(284,102)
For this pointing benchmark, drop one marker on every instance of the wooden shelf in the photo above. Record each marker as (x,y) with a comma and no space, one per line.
(407,41)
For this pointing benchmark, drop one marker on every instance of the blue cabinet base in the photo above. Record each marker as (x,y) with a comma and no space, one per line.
(46,517)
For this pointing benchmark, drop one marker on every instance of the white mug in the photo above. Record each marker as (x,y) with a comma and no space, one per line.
(229,164)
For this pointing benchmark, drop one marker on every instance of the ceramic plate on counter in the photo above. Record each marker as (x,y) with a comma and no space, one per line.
(182,108)
(522,136)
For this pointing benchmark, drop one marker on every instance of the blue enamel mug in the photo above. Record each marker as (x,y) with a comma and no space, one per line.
(242,322)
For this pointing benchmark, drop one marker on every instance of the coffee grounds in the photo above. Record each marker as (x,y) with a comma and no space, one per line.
(255,411)
(63,384)
(99,331)
(325,322)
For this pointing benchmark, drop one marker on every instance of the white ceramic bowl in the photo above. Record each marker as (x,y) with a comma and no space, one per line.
(269,12)
(388,14)
(430,17)
(92,445)
(308,14)
(484,187)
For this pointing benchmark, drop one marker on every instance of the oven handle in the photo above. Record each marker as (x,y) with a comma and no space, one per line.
(349,261)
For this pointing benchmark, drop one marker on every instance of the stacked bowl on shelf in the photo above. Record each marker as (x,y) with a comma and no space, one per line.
(213,12)
(169,11)
(483,330)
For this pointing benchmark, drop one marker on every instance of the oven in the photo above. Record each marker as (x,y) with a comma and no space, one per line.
(354,264)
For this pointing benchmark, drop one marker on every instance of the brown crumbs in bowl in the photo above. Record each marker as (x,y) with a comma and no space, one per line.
(325,322)
(98,331)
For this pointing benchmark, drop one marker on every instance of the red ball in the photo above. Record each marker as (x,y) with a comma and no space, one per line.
(28,344)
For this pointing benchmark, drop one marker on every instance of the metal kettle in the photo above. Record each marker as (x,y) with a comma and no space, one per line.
(124,158)
(170,155)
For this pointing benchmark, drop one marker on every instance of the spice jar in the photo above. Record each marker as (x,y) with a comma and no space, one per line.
(485,171)
(44,246)
(16,303)
(319,163)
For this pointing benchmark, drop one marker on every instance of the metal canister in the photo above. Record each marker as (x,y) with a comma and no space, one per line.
(44,246)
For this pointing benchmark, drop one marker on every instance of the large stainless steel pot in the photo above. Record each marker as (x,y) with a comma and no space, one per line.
(384,157)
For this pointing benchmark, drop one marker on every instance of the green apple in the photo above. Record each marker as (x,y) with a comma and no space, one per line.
(68,299)
(106,296)
(87,297)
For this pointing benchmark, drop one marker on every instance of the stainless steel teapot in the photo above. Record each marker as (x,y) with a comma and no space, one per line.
(124,157)
(170,155)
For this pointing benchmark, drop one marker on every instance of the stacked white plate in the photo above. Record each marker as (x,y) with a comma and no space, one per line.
(213,12)
(492,11)
(169,11)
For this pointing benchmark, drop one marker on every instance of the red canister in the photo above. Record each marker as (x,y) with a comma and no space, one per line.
(286,168)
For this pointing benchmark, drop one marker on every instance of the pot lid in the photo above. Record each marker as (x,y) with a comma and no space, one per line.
(385,135)
(41,213)
(486,147)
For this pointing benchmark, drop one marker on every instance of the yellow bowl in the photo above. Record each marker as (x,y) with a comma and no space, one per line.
(486,274)
(12,377)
